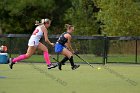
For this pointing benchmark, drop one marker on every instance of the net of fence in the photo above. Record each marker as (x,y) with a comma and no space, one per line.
(94,49)
(123,49)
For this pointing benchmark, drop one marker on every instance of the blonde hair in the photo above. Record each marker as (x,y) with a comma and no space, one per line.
(43,21)
(68,26)
(37,23)
(46,20)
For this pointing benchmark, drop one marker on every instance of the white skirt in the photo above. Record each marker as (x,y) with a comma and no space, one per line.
(34,43)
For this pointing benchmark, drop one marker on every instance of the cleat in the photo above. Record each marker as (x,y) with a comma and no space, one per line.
(49,66)
(75,67)
(11,63)
(52,66)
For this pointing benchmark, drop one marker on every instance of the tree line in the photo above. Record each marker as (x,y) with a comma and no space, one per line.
(90,17)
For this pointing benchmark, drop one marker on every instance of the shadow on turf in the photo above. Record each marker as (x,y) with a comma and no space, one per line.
(3,92)
(51,76)
(132,82)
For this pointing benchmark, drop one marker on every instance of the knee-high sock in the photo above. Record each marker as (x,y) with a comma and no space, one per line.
(47,58)
(19,58)
(64,60)
(71,61)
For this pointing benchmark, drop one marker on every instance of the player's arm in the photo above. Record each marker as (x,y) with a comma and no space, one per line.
(68,44)
(45,31)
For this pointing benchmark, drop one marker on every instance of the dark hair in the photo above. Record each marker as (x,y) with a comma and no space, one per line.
(68,26)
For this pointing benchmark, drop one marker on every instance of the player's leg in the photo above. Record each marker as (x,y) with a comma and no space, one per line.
(46,55)
(69,55)
(63,61)
(30,51)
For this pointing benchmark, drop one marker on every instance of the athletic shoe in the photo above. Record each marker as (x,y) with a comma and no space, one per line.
(11,63)
(59,65)
(75,67)
(52,66)
(55,65)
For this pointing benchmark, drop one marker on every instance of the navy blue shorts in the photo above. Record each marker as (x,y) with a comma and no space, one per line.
(59,48)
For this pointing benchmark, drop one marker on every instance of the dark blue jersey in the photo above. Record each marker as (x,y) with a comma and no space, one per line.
(62,40)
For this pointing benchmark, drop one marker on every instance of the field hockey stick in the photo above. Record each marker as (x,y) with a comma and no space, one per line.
(83,60)
(54,59)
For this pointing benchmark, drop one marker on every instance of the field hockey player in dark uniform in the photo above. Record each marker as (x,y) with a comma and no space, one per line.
(63,46)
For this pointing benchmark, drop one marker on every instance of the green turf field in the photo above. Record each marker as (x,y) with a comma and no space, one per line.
(36,78)
(88,57)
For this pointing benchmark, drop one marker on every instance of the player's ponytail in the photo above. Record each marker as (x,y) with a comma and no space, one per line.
(37,23)
(68,26)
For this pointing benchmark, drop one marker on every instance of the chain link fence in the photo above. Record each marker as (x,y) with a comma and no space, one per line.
(94,49)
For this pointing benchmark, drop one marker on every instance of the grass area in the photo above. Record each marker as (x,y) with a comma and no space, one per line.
(89,58)
(36,78)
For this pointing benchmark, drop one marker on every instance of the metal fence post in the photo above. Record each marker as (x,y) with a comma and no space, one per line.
(10,47)
(136,59)
(105,50)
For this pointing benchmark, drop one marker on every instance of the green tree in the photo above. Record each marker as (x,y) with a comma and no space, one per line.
(58,14)
(18,16)
(82,16)
(119,17)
